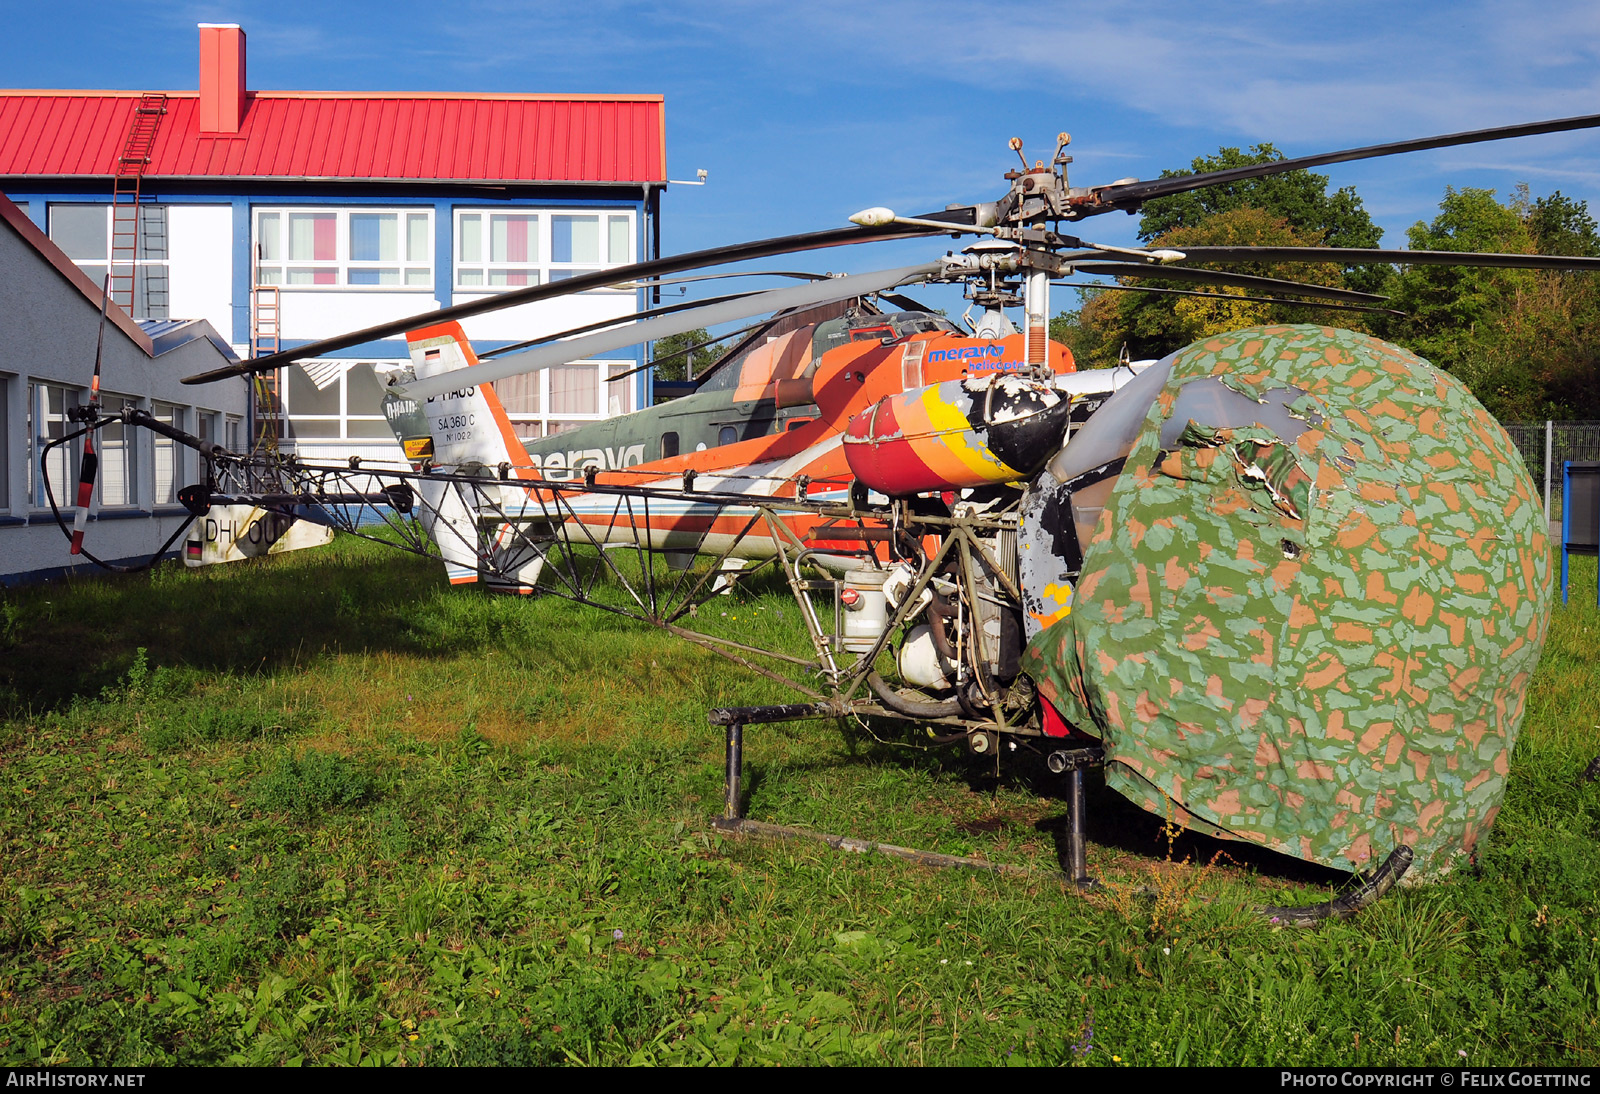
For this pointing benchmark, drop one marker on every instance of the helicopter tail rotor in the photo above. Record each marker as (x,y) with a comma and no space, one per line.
(89,466)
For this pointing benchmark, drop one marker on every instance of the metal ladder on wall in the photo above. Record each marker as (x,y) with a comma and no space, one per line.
(126,185)
(267,393)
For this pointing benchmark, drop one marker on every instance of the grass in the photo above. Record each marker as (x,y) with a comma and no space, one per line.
(325,809)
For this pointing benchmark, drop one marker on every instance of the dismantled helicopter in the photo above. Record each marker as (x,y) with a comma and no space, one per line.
(1288,585)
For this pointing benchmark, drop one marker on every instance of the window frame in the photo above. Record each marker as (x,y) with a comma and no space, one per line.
(341,265)
(176,415)
(66,496)
(127,449)
(146,269)
(542,264)
(377,426)
(613,398)
(6,382)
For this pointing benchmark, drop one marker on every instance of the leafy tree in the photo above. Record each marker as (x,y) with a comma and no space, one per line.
(1559,225)
(1527,343)
(1152,324)
(676,351)
(1300,198)
(1294,209)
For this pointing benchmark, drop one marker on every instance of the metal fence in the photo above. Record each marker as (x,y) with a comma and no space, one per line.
(1545,446)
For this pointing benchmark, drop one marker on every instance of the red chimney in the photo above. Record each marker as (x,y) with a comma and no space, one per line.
(221,77)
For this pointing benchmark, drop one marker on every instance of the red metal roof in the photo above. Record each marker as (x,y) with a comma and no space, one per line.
(347,135)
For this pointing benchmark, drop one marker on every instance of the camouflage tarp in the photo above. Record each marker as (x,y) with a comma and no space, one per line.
(1318,643)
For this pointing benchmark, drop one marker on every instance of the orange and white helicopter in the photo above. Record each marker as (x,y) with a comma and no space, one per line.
(928,495)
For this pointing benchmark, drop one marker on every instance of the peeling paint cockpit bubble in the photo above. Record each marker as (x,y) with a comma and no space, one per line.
(1110,434)
(1212,404)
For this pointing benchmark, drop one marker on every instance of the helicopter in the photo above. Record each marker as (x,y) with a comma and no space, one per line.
(1286,585)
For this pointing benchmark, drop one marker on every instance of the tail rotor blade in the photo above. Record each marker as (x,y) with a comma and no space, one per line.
(89,467)
(87,471)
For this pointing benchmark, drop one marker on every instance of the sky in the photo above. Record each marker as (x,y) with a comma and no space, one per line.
(803,113)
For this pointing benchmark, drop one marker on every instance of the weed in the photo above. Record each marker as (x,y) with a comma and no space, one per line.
(306,785)
(178,726)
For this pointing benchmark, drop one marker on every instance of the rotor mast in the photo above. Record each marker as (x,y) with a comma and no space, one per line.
(1038,194)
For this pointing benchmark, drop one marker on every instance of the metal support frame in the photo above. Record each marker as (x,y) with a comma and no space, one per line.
(1580,516)
(1072,762)
(1077,866)
(735,719)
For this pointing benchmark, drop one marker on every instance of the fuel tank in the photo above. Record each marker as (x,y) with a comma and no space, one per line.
(957,434)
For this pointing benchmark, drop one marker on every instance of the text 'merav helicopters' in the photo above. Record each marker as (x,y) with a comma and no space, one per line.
(1288,584)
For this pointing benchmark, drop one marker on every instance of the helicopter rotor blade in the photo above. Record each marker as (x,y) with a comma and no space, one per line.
(652,282)
(1228,296)
(632,317)
(1362,256)
(1104,199)
(585,346)
(655,267)
(1216,277)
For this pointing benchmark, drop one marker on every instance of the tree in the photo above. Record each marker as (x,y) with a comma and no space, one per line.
(1153,324)
(676,351)
(1294,209)
(1447,305)
(1559,225)
(1527,343)
(1300,198)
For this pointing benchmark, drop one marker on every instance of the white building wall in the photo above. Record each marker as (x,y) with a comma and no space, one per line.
(200,267)
(323,313)
(48,336)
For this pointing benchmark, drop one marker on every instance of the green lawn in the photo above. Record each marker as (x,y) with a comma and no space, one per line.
(326,809)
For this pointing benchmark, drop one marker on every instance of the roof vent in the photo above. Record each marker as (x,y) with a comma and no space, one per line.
(222,101)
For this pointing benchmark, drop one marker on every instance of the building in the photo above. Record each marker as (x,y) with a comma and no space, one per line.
(285,216)
(51,323)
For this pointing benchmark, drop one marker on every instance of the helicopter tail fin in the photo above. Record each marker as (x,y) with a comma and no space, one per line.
(466,432)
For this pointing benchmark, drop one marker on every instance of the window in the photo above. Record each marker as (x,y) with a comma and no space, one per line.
(169,456)
(727,435)
(619,390)
(520,396)
(118,467)
(233,434)
(5,443)
(363,248)
(47,421)
(574,389)
(84,232)
(669,445)
(333,400)
(546,402)
(505,249)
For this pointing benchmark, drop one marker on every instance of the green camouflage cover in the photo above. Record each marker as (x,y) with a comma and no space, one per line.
(1320,645)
